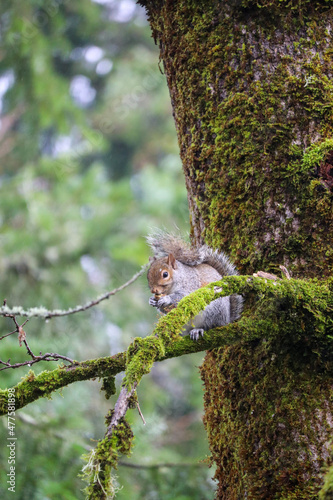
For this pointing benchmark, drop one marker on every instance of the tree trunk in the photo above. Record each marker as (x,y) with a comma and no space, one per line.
(252,93)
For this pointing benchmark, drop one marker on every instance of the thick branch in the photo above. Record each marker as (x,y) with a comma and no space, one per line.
(312,298)
(32,387)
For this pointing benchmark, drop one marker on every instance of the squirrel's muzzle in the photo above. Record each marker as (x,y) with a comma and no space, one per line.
(157,293)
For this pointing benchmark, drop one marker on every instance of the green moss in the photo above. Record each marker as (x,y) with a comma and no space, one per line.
(104,459)
(279,396)
(316,154)
(109,386)
(140,358)
(326,493)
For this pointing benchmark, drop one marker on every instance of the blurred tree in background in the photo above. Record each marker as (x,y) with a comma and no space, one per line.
(89,163)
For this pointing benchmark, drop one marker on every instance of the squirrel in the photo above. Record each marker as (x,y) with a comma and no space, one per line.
(178,269)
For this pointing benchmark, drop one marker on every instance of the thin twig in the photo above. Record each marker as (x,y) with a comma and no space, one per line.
(140,413)
(18,329)
(263,274)
(42,312)
(7,334)
(28,349)
(22,338)
(285,272)
(45,357)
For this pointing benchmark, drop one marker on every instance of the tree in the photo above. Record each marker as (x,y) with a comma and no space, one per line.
(251,93)
(251,90)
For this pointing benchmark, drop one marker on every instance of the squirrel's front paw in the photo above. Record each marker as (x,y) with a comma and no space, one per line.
(152,301)
(164,301)
(196,333)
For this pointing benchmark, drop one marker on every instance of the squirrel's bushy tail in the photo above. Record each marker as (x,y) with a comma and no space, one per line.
(163,243)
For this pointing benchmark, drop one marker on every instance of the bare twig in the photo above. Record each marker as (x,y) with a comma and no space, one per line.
(7,334)
(23,338)
(140,413)
(42,312)
(18,329)
(285,272)
(263,274)
(269,276)
(49,356)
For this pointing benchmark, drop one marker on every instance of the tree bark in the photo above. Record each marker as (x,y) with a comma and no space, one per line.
(252,93)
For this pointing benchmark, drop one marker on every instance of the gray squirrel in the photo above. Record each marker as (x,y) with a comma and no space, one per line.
(178,269)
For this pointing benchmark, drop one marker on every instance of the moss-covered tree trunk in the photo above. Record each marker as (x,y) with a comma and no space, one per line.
(251,86)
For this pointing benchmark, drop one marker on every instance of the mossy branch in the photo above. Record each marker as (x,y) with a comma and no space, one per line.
(32,387)
(308,301)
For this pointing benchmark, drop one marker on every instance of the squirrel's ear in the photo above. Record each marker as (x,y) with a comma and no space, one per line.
(172,261)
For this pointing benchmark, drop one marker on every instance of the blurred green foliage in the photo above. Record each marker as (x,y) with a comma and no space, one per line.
(89,164)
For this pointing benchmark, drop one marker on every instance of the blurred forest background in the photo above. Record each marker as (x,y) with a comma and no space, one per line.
(89,164)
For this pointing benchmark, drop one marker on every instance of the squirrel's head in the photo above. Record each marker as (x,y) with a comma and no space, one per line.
(160,275)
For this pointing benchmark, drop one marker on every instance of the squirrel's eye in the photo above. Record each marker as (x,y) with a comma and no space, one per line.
(165,274)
